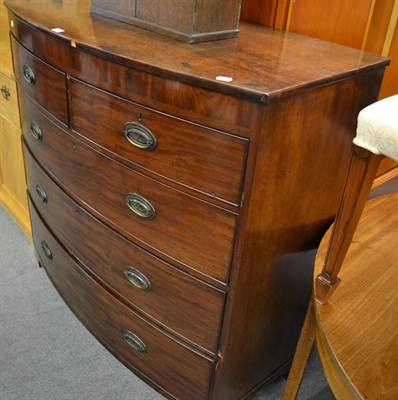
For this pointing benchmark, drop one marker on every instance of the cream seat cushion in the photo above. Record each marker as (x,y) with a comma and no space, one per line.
(377,129)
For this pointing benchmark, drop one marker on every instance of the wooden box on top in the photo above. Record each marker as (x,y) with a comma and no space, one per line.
(188,20)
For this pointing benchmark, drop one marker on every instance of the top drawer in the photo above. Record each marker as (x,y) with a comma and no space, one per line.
(40,81)
(204,159)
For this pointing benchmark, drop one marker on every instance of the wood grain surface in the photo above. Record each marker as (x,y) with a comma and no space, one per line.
(173,299)
(166,362)
(195,232)
(207,160)
(357,327)
(295,98)
(272,66)
(49,88)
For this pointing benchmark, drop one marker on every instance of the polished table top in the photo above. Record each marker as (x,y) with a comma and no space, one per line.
(358,325)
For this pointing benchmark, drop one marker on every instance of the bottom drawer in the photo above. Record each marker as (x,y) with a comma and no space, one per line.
(143,347)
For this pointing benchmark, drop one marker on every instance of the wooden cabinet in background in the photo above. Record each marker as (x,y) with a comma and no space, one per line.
(370,25)
(12,173)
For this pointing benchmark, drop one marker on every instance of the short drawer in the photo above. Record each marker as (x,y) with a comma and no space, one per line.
(183,304)
(196,233)
(138,343)
(39,80)
(204,159)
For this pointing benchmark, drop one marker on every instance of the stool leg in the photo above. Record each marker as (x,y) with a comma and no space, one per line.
(359,181)
(301,355)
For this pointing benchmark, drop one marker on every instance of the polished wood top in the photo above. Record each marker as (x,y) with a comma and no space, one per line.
(358,326)
(264,64)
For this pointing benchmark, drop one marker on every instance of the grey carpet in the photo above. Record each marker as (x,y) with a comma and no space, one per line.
(47,354)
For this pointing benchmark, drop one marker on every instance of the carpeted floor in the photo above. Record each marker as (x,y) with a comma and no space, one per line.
(47,354)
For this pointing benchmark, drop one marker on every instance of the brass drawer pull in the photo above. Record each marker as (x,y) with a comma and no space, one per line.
(140,136)
(140,205)
(46,250)
(138,279)
(36,131)
(5,92)
(134,341)
(41,193)
(29,75)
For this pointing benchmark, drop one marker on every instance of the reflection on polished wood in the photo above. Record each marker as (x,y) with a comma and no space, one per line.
(357,328)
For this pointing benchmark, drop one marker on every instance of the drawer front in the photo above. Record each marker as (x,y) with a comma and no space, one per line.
(194,232)
(204,159)
(43,83)
(178,301)
(136,342)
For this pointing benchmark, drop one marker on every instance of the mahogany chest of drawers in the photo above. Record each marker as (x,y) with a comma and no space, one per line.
(178,192)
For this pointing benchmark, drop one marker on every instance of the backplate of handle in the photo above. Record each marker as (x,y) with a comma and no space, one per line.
(140,136)
(41,193)
(46,250)
(138,279)
(134,341)
(36,131)
(140,205)
(28,74)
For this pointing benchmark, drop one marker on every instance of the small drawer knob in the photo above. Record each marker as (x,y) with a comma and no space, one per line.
(134,341)
(28,74)
(46,250)
(5,91)
(36,131)
(140,205)
(41,193)
(138,279)
(140,136)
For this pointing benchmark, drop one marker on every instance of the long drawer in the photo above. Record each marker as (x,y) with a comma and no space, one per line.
(196,233)
(181,303)
(41,81)
(138,343)
(201,158)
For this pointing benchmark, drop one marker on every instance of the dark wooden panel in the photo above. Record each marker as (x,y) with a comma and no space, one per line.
(183,304)
(195,156)
(49,85)
(168,364)
(197,233)
(272,275)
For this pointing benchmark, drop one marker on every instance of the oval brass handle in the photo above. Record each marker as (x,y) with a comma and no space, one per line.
(138,279)
(41,193)
(140,136)
(5,92)
(140,205)
(46,250)
(36,131)
(134,341)
(28,74)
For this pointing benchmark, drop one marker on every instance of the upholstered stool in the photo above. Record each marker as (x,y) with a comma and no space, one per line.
(356,333)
